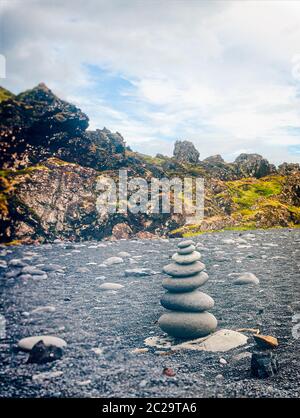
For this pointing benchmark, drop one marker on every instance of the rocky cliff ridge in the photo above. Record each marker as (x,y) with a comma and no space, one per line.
(50,163)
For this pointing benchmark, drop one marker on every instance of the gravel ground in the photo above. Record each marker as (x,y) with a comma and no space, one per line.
(115,323)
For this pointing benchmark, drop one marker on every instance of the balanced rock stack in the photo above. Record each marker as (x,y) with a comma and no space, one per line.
(188,316)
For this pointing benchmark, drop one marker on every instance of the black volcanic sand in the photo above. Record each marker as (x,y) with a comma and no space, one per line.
(117,322)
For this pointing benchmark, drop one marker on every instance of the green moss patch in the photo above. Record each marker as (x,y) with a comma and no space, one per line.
(5,94)
(252,198)
(247,192)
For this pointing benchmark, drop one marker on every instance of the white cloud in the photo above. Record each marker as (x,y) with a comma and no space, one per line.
(217,72)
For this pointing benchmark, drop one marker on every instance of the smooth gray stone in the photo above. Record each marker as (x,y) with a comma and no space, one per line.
(16,262)
(13,273)
(177,270)
(113,260)
(83,270)
(187,302)
(246,278)
(187,284)
(27,343)
(139,272)
(32,270)
(39,276)
(111,286)
(43,309)
(186,250)
(186,243)
(52,267)
(186,259)
(25,276)
(188,325)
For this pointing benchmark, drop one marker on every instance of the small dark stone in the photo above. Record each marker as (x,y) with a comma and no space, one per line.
(260,311)
(264,364)
(41,353)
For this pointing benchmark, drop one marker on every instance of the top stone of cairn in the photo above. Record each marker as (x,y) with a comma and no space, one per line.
(186,243)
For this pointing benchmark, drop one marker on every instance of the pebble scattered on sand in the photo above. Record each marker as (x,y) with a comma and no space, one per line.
(124,254)
(15,262)
(110,286)
(113,260)
(139,272)
(33,271)
(246,278)
(43,309)
(83,270)
(41,377)
(98,351)
(27,343)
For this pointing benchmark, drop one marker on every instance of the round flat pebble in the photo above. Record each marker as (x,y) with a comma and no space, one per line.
(186,250)
(186,259)
(246,278)
(187,284)
(124,254)
(110,286)
(32,270)
(177,270)
(16,262)
(188,324)
(113,260)
(27,343)
(25,276)
(186,243)
(194,301)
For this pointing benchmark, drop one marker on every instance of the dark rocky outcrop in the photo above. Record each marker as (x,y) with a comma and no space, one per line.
(57,199)
(253,165)
(109,149)
(288,168)
(161,156)
(50,164)
(291,190)
(185,152)
(214,159)
(36,125)
(220,170)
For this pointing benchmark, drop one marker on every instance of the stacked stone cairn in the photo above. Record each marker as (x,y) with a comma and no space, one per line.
(187,317)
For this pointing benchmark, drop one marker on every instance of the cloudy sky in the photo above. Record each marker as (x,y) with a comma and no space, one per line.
(224,74)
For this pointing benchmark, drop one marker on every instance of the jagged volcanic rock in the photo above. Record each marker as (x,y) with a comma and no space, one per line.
(288,168)
(253,165)
(36,125)
(49,164)
(185,152)
(291,189)
(214,159)
(56,199)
